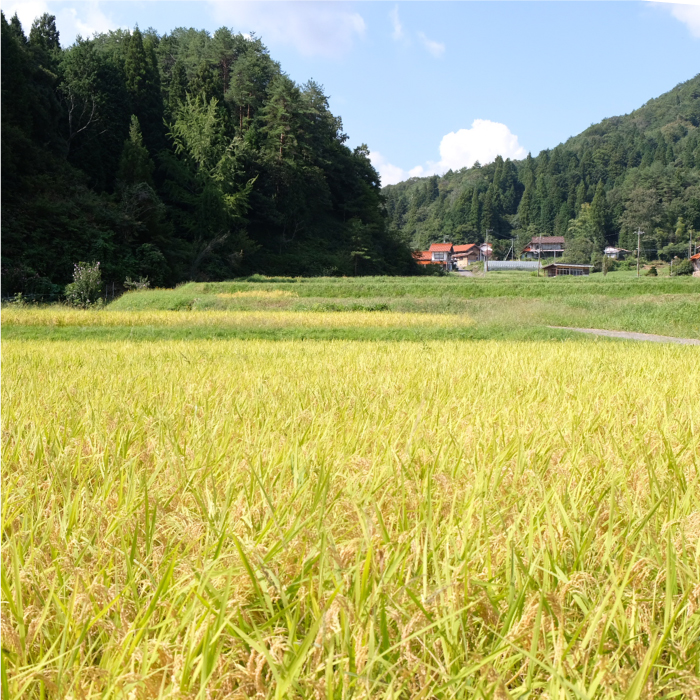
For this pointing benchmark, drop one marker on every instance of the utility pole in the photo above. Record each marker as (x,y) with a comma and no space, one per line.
(690,242)
(639,250)
(486,252)
(539,255)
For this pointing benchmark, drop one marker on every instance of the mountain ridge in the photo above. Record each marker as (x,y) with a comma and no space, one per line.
(644,168)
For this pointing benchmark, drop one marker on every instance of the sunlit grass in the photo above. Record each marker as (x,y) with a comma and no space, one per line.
(337,519)
(66,316)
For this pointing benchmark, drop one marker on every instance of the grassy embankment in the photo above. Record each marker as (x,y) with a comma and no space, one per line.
(325,520)
(506,306)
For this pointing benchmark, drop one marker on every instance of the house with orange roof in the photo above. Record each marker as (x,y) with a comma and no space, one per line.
(695,259)
(441,254)
(465,254)
(423,257)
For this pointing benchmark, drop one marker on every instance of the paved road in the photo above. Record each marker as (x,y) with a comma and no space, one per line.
(632,336)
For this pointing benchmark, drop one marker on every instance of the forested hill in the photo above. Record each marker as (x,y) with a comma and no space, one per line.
(184,156)
(640,170)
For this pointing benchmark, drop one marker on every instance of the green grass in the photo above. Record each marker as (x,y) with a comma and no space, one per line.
(203,295)
(493,318)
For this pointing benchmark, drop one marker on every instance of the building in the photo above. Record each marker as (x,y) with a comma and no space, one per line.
(466,254)
(695,259)
(423,257)
(544,247)
(616,253)
(441,254)
(454,256)
(557,269)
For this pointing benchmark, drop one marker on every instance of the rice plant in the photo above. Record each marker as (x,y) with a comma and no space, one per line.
(239,519)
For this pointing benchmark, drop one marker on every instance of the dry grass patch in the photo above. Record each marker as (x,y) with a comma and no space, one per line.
(65,316)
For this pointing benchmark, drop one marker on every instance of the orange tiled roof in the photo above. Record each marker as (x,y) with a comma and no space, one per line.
(465,248)
(441,248)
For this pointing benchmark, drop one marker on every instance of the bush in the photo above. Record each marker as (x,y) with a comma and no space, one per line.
(86,285)
(433,270)
(683,267)
(602,263)
(652,272)
(134,285)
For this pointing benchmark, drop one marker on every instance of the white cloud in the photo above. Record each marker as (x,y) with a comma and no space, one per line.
(433,47)
(27,11)
(483,142)
(398,33)
(459,149)
(390,174)
(313,28)
(85,18)
(686,12)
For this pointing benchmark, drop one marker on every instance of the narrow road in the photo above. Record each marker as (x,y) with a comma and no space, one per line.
(631,336)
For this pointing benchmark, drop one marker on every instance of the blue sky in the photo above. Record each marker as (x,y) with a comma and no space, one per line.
(434,85)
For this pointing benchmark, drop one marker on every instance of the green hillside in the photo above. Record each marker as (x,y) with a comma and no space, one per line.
(186,156)
(638,170)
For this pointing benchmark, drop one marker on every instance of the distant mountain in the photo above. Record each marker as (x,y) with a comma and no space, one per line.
(639,170)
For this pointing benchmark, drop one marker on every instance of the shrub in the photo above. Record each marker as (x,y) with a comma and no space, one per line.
(602,263)
(652,272)
(433,270)
(141,283)
(86,285)
(683,267)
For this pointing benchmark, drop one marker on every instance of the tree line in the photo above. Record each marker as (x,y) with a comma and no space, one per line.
(177,157)
(639,171)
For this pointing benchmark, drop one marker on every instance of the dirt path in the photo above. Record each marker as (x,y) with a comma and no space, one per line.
(631,336)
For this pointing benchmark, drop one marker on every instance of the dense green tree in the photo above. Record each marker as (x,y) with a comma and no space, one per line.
(142,80)
(254,175)
(136,165)
(16,29)
(203,177)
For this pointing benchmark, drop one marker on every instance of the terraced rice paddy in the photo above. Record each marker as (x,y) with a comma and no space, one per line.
(341,519)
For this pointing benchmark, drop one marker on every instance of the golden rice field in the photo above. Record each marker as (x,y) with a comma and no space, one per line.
(50,316)
(340,519)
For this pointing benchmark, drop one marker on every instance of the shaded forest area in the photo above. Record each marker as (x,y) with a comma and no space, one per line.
(178,157)
(641,170)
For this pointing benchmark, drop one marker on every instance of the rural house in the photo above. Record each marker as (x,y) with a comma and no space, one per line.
(695,259)
(486,250)
(441,254)
(556,269)
(466,254)
(616,253)
(423,257)
(544,246)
